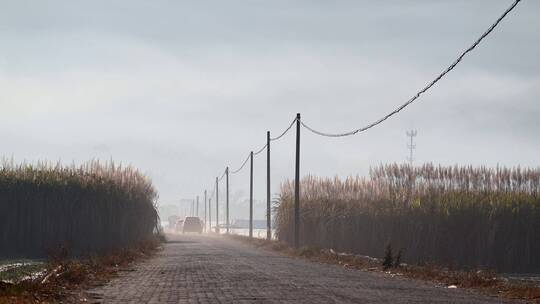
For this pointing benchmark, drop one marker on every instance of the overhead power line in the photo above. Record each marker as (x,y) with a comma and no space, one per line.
(275,138)
(426,88)
(242,166)
(284,132)
(223,175)
(260,150)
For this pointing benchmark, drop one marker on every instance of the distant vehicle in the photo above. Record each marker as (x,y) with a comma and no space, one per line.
(172,221)
(192,224)
(179,225)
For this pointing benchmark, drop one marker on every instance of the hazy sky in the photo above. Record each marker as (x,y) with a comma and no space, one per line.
(180,89)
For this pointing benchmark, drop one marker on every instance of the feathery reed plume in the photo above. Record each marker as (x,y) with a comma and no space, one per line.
(91,208)
(462,216)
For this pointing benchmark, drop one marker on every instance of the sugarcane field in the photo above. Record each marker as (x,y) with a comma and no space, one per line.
(269,152)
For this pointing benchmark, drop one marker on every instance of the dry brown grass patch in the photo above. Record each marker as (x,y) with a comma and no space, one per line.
(486,282)
(64,277)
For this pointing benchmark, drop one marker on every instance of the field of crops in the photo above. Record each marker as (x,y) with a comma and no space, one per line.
(455,216)
(51,209)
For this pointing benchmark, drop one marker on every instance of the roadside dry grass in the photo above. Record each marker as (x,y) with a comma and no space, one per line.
(63,277)
(482,281)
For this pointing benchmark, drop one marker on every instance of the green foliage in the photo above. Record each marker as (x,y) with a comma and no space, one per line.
(397,260)
(388,260)
(88,209)
(462,216)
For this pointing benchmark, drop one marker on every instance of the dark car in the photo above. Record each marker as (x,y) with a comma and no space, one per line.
(192,224)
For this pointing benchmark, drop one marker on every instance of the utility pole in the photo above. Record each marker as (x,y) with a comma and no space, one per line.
(251,195)
(210,215)
(268,222)
(197,213)
(192,207)
(297,186)
(217,206)
(227,178)
(205,201)
(411,146)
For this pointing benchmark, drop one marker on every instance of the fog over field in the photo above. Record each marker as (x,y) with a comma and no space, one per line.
(181,90)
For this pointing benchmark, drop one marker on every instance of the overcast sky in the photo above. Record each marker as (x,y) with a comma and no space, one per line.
(180,89)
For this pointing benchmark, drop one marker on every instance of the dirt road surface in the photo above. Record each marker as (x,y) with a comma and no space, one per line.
(203,269)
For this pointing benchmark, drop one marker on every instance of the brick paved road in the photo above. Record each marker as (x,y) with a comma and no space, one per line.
(195,269)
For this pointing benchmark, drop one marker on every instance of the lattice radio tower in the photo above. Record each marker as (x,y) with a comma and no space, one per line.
(411,146)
